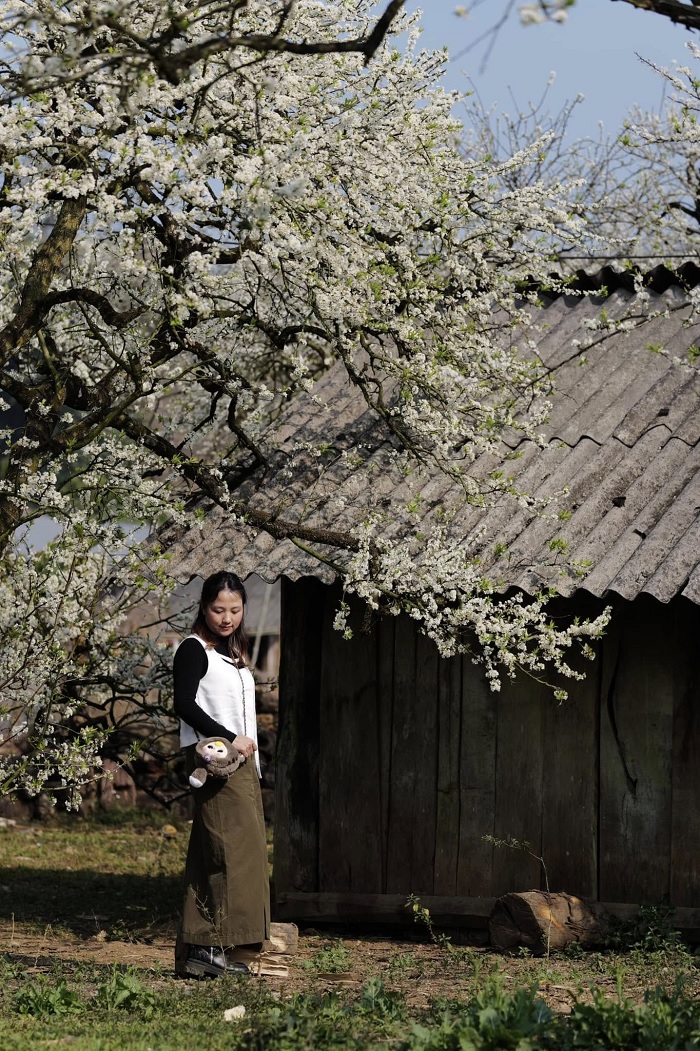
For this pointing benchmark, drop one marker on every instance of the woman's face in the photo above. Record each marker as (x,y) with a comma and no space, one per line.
(224,614)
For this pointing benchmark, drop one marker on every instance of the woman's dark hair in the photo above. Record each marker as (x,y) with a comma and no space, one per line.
(223,581)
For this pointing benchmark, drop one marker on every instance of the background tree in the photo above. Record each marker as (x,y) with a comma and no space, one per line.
(196,218)
(637,192)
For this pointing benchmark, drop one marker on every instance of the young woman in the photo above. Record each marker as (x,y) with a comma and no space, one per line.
(227,900)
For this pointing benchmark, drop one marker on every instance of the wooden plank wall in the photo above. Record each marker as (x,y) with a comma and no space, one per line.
(395,765)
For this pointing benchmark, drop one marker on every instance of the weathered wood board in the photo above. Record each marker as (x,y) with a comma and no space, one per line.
(477,783)
(635,759)
(447,810)
(296,775)
(350,856)
(570,782)
(685,816)
(385,717)
(412,793)
(519,762)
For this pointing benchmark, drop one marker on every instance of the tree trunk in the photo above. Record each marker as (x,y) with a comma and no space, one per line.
(540,922)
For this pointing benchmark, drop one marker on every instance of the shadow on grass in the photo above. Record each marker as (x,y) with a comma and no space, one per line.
(87,901)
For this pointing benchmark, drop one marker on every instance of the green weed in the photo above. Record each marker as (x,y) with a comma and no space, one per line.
(380,1004)
(124,991)
(306,1022)
(650,930)
(493,1019)
(422,915)
(665,1020)
(42,998)
(401,963)
(9,969)
(331,959)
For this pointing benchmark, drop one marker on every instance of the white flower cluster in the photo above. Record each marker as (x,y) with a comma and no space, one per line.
(544,11)
(446,590)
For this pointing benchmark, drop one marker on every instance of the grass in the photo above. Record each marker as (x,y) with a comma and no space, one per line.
(88,913)
(85,878)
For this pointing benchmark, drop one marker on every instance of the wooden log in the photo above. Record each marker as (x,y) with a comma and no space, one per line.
(539,921)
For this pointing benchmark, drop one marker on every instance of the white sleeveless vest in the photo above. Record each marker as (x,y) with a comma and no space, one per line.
(227,696)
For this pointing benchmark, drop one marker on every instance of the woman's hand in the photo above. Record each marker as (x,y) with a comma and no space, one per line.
(245,745)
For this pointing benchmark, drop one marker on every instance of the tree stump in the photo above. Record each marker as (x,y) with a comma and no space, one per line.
(539,921)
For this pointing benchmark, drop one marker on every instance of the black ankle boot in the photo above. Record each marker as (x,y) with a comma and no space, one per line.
(205,959)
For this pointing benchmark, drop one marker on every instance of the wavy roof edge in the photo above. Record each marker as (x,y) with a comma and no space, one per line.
(606,596)
(608,279)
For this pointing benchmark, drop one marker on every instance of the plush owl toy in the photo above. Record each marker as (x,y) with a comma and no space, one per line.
(219,759)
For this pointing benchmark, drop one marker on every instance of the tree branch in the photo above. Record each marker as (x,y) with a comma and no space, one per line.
(681,13)
(217,490)
(115,318)
(47,260)
(172,65)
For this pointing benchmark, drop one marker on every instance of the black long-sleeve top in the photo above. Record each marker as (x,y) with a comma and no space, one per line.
(189,666)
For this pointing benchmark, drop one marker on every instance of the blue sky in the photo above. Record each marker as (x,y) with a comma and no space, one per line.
(594,53)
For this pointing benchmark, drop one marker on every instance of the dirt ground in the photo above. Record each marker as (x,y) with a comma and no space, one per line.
(422,972)
(39,949)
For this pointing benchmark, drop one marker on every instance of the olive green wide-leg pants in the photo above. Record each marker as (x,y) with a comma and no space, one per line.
(227,895)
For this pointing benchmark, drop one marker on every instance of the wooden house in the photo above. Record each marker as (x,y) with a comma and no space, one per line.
(399,773)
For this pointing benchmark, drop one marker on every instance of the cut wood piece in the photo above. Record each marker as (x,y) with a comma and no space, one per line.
(260,964)
(268,968)
(284,938)
(539,921)
(337,978)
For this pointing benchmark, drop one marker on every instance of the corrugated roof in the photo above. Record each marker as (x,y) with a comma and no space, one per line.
(623,438)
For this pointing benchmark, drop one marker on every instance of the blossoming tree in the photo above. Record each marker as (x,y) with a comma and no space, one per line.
(636,190)
(201,207)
